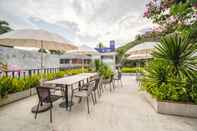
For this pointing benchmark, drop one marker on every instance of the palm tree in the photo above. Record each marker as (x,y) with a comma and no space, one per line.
(4,27)
(179,53)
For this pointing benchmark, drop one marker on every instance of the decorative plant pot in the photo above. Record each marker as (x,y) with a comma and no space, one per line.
(172,108)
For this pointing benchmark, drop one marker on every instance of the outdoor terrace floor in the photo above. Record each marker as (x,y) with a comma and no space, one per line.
(122,110)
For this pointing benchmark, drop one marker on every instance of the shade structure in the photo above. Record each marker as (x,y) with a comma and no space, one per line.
(139,57)
(33,38)
(141,51)
(84,49)
(74,56)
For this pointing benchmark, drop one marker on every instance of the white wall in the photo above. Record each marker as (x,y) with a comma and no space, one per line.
(27,59)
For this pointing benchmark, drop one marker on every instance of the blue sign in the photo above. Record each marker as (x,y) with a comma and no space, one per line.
(111,47)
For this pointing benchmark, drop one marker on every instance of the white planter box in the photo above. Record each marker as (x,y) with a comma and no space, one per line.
(17,96)
(172,108)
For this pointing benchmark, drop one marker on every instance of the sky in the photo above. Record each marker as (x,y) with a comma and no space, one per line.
(79,21)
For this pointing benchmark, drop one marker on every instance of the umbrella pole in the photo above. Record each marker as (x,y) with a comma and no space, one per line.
(82,65)
(41,62)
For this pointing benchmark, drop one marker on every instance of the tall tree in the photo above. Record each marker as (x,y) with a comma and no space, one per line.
(4,27)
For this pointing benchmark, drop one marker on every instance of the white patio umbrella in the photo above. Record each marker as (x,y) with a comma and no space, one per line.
(139,56)
(141,52)
(35,38)
(84,50)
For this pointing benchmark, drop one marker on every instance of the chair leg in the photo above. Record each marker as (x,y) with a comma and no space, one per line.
(62,93)
(121,83)
(37,110)
(71,101)
(88,105)
(51,113)
(95,96)
(92,99)
(110,87)
(99,91)
(79,100)
(113,84)
(103,87)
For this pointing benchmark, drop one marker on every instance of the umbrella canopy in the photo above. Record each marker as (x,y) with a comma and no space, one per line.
(141,51)
(74,56)
(139,57)
(34,38)
(84,49)
(143,47)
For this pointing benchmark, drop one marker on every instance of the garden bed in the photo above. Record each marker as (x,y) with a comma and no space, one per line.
(17,96)
(172,108)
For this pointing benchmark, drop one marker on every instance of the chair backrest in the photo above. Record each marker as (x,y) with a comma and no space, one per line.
(119,75)
(96,83)
(44,94)
(111,78)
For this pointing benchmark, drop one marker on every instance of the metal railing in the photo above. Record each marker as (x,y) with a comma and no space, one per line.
(30,72)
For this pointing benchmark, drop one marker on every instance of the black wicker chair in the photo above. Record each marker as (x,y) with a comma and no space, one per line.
(45,97)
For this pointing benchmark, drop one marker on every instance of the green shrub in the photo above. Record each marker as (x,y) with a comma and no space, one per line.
(75,71)
(17,85)
(105,71)
(179,53)
(132,69)
(32,81)
(60,74)
(172,74)
(12,85)
(5,83)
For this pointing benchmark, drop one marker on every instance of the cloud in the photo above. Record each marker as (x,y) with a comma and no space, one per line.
(83,22)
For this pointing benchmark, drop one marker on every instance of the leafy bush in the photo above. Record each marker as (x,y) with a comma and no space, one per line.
(75,71)
(18,85)
(12,85)
(179,54)
(5,83)
(32,81)
(132,69)
(172,74)
(60,74)
(103,69)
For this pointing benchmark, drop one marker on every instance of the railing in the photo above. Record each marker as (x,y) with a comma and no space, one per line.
(30,72)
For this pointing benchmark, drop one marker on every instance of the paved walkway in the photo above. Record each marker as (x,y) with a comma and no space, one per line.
(123,110)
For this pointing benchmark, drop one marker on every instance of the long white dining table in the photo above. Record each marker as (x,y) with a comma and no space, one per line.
(67,82)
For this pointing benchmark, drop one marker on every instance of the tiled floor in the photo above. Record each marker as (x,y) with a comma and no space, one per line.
(124,109)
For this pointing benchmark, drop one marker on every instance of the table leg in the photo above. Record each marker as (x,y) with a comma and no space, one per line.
(66,104)
(66,97)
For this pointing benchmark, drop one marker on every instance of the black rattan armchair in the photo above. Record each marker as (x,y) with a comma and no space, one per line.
(45,98)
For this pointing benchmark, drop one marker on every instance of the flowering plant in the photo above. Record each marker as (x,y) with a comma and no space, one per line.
(173,15)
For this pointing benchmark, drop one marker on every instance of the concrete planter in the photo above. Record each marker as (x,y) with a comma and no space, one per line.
(17,96)
(172,108)
(131,74)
